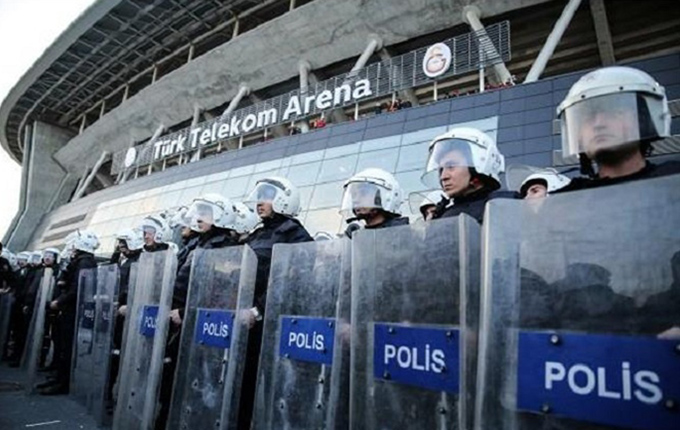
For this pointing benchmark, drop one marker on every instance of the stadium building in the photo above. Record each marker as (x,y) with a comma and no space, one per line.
(142,105)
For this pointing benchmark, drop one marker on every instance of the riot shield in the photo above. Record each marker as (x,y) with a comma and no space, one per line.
(213,340)
(34,341)
(303,376)
(105,302)
(145,343)
(82,364)
(415,312)
(6,303)
(581,301)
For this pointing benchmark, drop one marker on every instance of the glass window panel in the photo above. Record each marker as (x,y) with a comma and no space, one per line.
(241,171)
(194,182)
(337,168)
(188,195)
(382,143)
(235,188)
(328,220)
(213,187)
(168,199)
(307,157)
(176,186)
(339,151)
(327,195)
(413,157)
(303,174)
(305,197)
(268,165)
(385,159)
(422,135)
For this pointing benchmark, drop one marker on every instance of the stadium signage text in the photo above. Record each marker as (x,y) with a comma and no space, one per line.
(297,107)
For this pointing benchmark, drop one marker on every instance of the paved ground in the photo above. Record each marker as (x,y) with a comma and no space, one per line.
(18,411)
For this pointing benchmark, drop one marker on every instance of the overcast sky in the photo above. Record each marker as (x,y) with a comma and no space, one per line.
(27,28)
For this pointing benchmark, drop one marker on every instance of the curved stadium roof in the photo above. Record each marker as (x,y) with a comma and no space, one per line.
(115,48)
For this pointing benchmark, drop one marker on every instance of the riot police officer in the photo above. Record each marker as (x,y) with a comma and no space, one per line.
(541,183)
(428,204)
(84,245)
(277,202)
(466,164)
(156,233)
(611,116)
(374,197)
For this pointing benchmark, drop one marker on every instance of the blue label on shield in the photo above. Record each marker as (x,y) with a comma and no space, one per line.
(148,323)
(213,328)
(424,357)
(307,339)
(88,316)
(631,382)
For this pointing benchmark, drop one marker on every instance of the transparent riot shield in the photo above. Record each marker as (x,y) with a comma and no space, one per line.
(581,310)
(303,377)
(415,312)
(82,363)
(214,339)
(105,301)
(142,363)
(6,303)
(34,341)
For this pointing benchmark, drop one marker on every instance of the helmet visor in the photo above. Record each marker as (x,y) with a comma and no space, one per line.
(263,192)
(611,121)
(202,214)
(447,155)
(362,195)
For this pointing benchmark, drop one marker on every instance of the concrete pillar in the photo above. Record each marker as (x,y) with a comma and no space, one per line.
(45,183)
(471,15)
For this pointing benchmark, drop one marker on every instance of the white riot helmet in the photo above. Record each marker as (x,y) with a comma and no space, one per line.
(10,257)
(246,219)
(158,227)
(322,235)
(23,256)
(55,254)
(468,147)
(86,241)
(179,218)
(552,180)
(431,199)
(372,188)
(283,195)
(35,258)
(611,107)
(211,209)
(133,237)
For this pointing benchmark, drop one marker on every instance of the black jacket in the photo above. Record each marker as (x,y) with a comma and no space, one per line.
(472,204)
(390,222)
(6,274)
(27,289)
(68,281)
(277,229)
(214,239)
(124,275)
(650,170)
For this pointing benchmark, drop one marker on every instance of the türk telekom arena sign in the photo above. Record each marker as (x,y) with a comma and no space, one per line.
(454,56)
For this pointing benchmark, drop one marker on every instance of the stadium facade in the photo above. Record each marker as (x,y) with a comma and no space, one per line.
(141,105)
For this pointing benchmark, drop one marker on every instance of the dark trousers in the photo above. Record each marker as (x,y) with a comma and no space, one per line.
(67,325)
(114,367)
(249,383)
(168,376)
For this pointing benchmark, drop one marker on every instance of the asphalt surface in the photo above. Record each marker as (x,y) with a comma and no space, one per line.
(19,411)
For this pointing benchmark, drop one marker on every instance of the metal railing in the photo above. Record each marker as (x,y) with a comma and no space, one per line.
(470,52)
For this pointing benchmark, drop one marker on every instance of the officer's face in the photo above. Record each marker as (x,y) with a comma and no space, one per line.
(428,212)
(454,175)
(607,128)
(264,209)
(48,260)
(185,232)
(122,247)
(536,191)
(149,235)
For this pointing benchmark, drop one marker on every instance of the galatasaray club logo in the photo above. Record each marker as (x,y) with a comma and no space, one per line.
(437,60)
